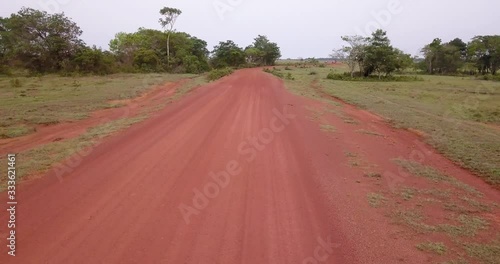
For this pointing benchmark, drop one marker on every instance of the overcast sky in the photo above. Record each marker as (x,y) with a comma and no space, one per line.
(301,28)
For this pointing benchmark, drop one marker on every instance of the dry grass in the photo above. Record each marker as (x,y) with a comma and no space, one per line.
(376,200)
(437,248)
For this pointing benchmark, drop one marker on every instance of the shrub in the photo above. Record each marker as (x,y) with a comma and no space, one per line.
(278,74)
(313,73)
(218,73)
(489,77)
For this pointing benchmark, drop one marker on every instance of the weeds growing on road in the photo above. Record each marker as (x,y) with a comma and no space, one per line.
(327,128)
(438,248)
(41,159)
(375,199)
(430,173)
(369,132)
(488,253)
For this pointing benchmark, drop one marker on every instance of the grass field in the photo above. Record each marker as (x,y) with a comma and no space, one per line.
(28,102)
(54,99)
(459,116)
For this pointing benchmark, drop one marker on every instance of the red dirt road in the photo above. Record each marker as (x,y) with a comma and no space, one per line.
(283,190)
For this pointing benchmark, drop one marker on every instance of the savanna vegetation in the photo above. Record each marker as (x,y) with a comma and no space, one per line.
(37,42)
(459,116)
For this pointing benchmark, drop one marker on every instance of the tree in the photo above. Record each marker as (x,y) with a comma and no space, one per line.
(40,41)
(485,52)
(187,53)
(253,55)
(445,57)
(431,54)
(94,60)
(379,55)
(353,54)
(168,20)
(227,54)
(269,51)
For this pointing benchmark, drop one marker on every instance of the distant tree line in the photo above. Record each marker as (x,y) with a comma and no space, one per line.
(50,43)
(480,56)
(375,55)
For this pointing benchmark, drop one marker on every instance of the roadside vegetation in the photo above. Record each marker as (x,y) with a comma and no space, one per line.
(34,42)
(52,99)
(216,74)
(459,116)
(367,56)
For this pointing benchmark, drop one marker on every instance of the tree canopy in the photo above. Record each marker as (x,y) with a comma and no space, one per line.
(374,54)
(43,43)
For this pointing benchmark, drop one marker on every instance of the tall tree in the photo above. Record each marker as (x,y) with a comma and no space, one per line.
(379,55)
(168,20)
(269,51)
(485,52)
(431,53)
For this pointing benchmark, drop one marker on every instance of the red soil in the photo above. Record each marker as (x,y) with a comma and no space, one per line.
(279,201)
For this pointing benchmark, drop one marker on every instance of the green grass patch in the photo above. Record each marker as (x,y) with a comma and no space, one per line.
(218,73)
(51,99)
(16,131)
(277,72)
(459,116)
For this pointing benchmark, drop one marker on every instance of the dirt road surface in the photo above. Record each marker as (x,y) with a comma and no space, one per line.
(239,171)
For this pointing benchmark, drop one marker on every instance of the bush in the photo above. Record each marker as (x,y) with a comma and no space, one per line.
(277,73)
(313,73)
(347,77)
(218,73)
(288,68)
(489,77)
